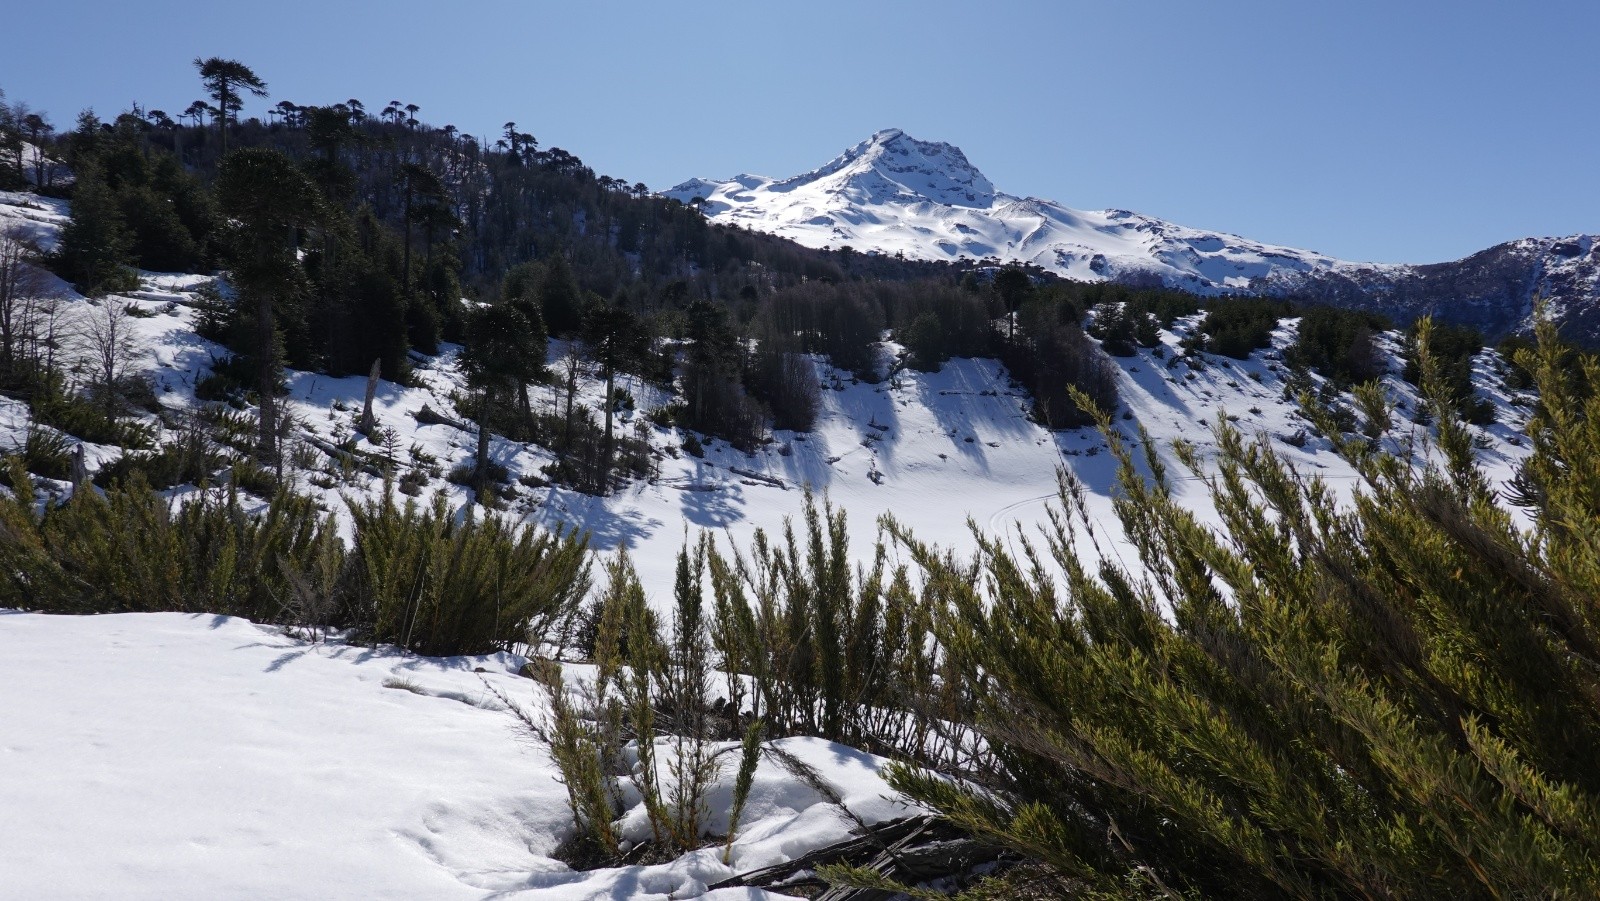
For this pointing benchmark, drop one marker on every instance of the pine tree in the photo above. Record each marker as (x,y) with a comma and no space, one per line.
(561,298)
(616,340)
(503,350)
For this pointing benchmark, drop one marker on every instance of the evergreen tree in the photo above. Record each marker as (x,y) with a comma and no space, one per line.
(227,80)
(503,350)
(560,298)
(617,340)
(95,246)
(270,200)
(1014,286)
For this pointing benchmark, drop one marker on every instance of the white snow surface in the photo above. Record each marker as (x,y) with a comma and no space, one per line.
(893,194)
(169,756)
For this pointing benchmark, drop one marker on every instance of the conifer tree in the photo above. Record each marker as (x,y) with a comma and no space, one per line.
(561,298)
(95,247)
(616,340)
(503,350)
(227,80)
(270,200)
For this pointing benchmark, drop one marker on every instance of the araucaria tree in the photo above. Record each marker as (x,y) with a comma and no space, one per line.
(503,351)
(227,80)
(269,200)
(617,340)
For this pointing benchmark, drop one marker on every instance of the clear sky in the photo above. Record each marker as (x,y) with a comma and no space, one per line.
(1406,130)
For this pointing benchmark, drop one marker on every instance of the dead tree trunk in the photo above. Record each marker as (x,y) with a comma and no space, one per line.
(372,390)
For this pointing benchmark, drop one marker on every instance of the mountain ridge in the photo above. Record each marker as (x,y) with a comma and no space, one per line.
(895,194)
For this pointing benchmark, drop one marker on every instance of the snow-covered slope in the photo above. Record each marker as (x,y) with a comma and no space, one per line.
(933,449)
(894,194)
(168,756)
(165,755)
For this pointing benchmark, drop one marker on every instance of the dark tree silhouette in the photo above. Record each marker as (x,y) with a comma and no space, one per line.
(617,340)
(503,350)
(269,200)
(225,79)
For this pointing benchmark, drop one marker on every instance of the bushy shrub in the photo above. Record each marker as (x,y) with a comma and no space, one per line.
(435,585)
(415,576)
(1453,347)
(1392,698)
(129,549)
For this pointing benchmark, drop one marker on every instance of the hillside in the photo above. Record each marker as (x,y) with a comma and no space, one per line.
(933,449)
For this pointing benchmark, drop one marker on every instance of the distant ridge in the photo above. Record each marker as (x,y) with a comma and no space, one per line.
(894,194)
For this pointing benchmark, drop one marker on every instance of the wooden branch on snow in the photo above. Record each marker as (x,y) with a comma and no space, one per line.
(758,477)
(429,416)
(912,850)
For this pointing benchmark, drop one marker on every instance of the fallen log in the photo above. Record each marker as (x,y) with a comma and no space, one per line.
(758,477)
(429,416)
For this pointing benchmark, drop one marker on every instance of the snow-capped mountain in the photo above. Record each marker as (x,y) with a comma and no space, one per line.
(895,194)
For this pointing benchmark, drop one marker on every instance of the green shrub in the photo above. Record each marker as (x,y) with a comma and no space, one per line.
(436,585)
(1340,344)
(1390,698)
(46,453)
(1453,348)
(132,550)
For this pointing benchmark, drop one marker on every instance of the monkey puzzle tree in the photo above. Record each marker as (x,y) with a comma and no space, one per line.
(617,339)
(420,184)
(1014,287)
(225,79)
(269,200)
(503,350)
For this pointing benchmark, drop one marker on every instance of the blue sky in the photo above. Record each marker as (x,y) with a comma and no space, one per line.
(1389,131)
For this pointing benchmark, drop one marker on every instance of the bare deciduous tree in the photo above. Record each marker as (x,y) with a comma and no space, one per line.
(108,347)
(22,281)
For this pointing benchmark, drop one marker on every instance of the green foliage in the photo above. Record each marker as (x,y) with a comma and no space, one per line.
(926,340)
(1454,347)
(1340,344)
(560,299)
(936,322)
(1235,327)
(1053,359)
(95,250)
(435,585)
(842,322)
(715,397)
(131,550)
(1387,699)
(82,417)
(44,452)
(822,645)
(189,459)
